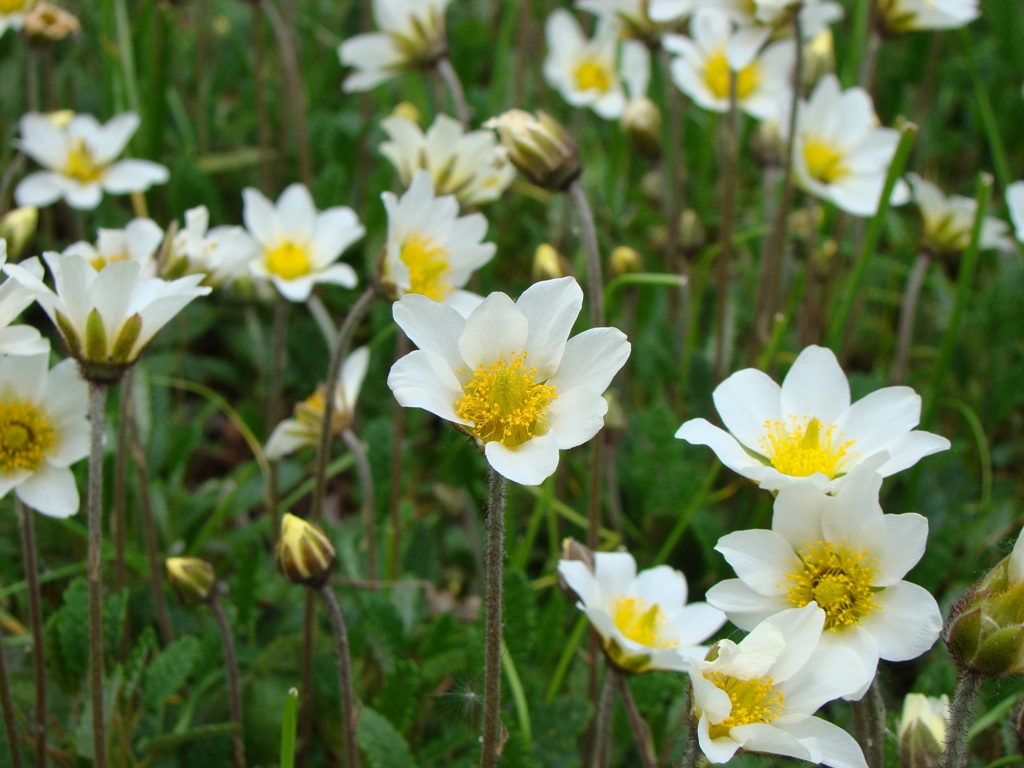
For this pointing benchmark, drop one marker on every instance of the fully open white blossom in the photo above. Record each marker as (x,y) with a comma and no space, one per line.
(222,253)
(509,375)
(138,241)
(584,70)
(81,162)
(806,431)
(759,695)
(299,247)
(643,619)
(844,555)
(948,221)
(43,431)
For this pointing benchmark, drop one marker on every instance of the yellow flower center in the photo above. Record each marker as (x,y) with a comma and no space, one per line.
(593,75)
(836,578)
(504,402)
(824,161)
(25,437)
(753,701)
(428,267)
(80,164)
(801,449)
(716,76)
(99,261)
(642,622)
(288,260)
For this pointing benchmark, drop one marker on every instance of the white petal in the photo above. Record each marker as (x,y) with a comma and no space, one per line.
(907,623)
(801,627)
(760,558)
(260,218)
(288,436)
(745,401)
(879,417)
(830,672)
(497,328)
(744,607)
(832,745)
(614,571)
(84,197)
(815,386)
(42,140)
(895,544)
(133,176)
(907,450)
(799,508)
(112,138)
(334,230)
(39,189)
(725,446)
(591,359)
(580,580)
(763,737)
(296,213)
(434,328)
(421,379)
(576,416)
(528,464)
(663,585)
(550,307)
(720,750)
(51,491)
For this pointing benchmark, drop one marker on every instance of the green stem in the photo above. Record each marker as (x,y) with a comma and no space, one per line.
(588,234)
(344,675)
(988,115)
(227,643)
(908,311)
(97,419)
(967,686)
(641,732)
(35,613)
(494,570)
(602,733)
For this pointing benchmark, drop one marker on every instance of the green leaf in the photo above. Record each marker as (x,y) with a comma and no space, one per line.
(115,610)
(521,612)
(400,694)
(381,742)
(73,629)
(175,741)
(288,725)
(169,671)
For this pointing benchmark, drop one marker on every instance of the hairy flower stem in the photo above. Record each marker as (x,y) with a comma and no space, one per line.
(97,419)
(869,726)
(118,523)
(454,85)
(35,615)
(494,571)
(348,713)
(692,755)
(641,732)
(7,704)
(908,311)
(588,234)
(967,686)
(227,643)
(730,171)
(603,731)
(366,482)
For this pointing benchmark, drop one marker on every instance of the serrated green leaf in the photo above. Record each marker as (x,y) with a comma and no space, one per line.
(381,742)
(169,671)
(73,628)
(135,666)
(521,609)
(115,610)
(400,694)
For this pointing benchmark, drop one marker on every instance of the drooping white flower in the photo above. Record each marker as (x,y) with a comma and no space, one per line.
(840,154)
(14,299)
(843,555)
(43,431)
(509,375)
(703,66)
(583,70)
(467,165)
(412,36)
(806,431)
(13,13)
(297,246)
(304,430)
(901,16)
(431,250)
(759,695)
(81,161)
(222,253)
(1015,202)
(643,619)
(948,221)
(138,241)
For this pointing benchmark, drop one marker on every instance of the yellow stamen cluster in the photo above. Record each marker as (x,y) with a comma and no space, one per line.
(837,579)
(593,75)
(642,622)
(13,6)
(824,161)
(716,76)
(80,164)
(753,701)
(428,267)
(504,402)
(289,260)
(801,448)
(25,437)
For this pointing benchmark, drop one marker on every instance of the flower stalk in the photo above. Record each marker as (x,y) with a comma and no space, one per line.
(603,729)
(227,643)
(7,704)
(641,732)
(730,170)
(451,80)
(967,686)
(118,523)
(494,572)
(97,413)
(869,726)
(908,311)
(28,546)
(348,712)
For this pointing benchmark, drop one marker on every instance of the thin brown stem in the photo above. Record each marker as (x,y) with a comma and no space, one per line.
(348,712)
(7,704)
(730,170)
(264,129)
(454,85)
(967,686)
(118,523)
(227,642)
(588,234)
(97,419)
(674,165)
(908,311)
(35,614)
(366,483)
(641,732)
(869,726)
(495,570)
(603,731)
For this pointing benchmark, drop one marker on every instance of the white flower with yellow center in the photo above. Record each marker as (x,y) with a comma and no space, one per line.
(901,16)
(843,555)
(705,63)
(14,299)
(806,431)
(431,250)
(1015,202)
(138,241)
(948,221)
(840,154)
(584,71)
(299,247)
(467,165)
(222,253)
(759,695)
(13,13)
(43,431)
(81,161)
(304,430)
(412,36)
(509,375)
(643,619)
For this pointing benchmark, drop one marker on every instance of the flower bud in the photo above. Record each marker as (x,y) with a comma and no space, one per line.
(692,235)
(641,120)
(923,730)
(17,227)
(407,111)
(543,151)
(547,263)
(304,553)
(47,23)
(191,578)
(573,550)
(624,260)
(767,144)
(819,58)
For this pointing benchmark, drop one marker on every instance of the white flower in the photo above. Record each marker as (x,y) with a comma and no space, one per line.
(81,161)
(431,250)
(412,35)
(759,694)
(806,431)
(106,317)
(18,339)
(948,221)
(840,155)
(665,11)
(43,431)
(299,247)
(304,430)
(704,64)
(13,13)
(909,15)
(1015,202)
(467,165)
(643,619)
(928,712)
(138,241)
(582,70)
(843,555)
(632,17)
(509,375)
(222,253)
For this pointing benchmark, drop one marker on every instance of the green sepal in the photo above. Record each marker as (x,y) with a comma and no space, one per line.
(95,338)
(126,338)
